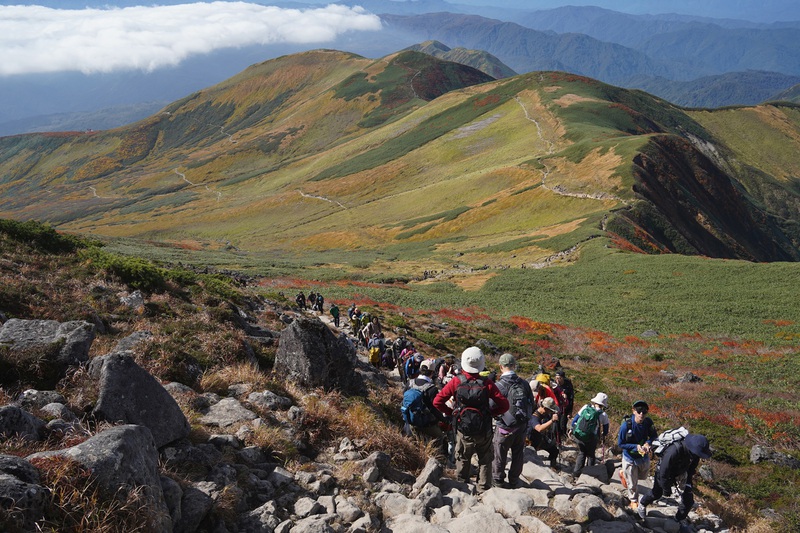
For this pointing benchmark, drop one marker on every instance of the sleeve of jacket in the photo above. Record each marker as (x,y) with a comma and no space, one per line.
(440,401)
(500,401)
(622,441)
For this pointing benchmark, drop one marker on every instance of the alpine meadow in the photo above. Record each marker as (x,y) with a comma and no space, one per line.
(551,215)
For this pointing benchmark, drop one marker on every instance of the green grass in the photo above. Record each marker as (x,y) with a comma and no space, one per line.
(626,294)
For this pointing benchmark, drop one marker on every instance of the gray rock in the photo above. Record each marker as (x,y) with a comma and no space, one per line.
(22,504)
(226,413)
(132,341)
(413,524)
(19,468)
(601,526)
(42,350)
(59,411)
(315,524)
(173,493)
(589,508)
(130,395)
(484,519)
(269,400)
(347,509)
(123,459)
(508,502)
(760,454)
(394,504)
(531,524)
(195,505)
(311,355)
(305,507)
(36,399)
(430,474)
(15,421)
(430,496)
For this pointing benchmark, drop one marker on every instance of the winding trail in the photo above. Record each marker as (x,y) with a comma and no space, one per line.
(315,197)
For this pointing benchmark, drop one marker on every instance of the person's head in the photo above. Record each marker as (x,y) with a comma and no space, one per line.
(600,400)
(449,359)
(550,405)
(697,445)
(507,362)
(374,320)
(561,377)
(473,360)
(425,368)
(640,410)
(542,379)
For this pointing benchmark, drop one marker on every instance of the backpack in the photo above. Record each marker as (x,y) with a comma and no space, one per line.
(586,427)
(414,410)
(472,406)
(520,403)
(668,437)
(411,367)
(375,355)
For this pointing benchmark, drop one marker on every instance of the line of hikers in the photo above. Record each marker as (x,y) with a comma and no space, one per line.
(467,411)
(315,302)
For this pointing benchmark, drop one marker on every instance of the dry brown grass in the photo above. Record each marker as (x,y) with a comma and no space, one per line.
(78,505)
(219,379)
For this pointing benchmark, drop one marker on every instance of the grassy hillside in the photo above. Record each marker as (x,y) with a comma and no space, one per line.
(411,163)
(747,391)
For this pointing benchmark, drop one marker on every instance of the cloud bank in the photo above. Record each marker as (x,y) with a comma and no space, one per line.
(37,39)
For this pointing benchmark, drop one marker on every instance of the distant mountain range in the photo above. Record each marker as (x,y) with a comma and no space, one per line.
(688,60)
(410,160)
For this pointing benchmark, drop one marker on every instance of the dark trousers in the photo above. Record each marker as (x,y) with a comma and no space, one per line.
(503,443)
(466,447)
(586,451)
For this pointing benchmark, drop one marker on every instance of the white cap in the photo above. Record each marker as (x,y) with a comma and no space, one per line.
(600,399)
(472,360)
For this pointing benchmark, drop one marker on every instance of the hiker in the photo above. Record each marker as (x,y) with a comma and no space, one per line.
(351,311)
(588,427)
(446,371)
(425,420)
(411,368)
(355,321)
(320,304)
(636,435)
(566,393)
(300,299)
(544,424)
(312,299)
(680,457)
(405,354)
(334,311)
(376,348)
(512,427)
(388,359)
(472,416)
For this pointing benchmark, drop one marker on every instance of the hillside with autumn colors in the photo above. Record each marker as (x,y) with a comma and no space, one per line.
(411,163)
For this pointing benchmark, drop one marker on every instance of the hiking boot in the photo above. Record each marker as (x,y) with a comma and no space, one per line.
(641,510)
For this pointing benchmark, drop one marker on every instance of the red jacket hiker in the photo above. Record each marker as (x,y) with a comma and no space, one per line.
(449,391)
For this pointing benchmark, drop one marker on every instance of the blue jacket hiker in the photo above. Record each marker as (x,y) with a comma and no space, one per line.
(636,435)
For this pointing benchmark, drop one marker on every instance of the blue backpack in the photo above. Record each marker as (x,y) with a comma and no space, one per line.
(414,410)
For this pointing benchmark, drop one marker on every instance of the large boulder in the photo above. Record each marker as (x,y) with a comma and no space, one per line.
(311,355)
(130,395)
(122,459)
(40,351)
(16,422)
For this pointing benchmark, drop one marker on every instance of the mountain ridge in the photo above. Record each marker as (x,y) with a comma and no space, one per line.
(414,159)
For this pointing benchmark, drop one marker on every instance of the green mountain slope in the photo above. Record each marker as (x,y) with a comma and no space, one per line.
(409,162)
(483,61)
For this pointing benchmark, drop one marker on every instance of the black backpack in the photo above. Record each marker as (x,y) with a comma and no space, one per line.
(472,414)
(520,401)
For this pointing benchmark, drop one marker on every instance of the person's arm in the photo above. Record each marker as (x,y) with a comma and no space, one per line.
(543,427)
(500,402)
(440,400)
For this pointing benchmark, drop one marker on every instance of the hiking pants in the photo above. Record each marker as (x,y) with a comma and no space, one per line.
(586,451)
(633,473)
(505,440)
(466,447)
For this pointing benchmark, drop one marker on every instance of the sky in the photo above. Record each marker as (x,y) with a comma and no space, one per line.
(38,39)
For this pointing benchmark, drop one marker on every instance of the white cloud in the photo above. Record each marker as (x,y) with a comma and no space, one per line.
(40,39)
